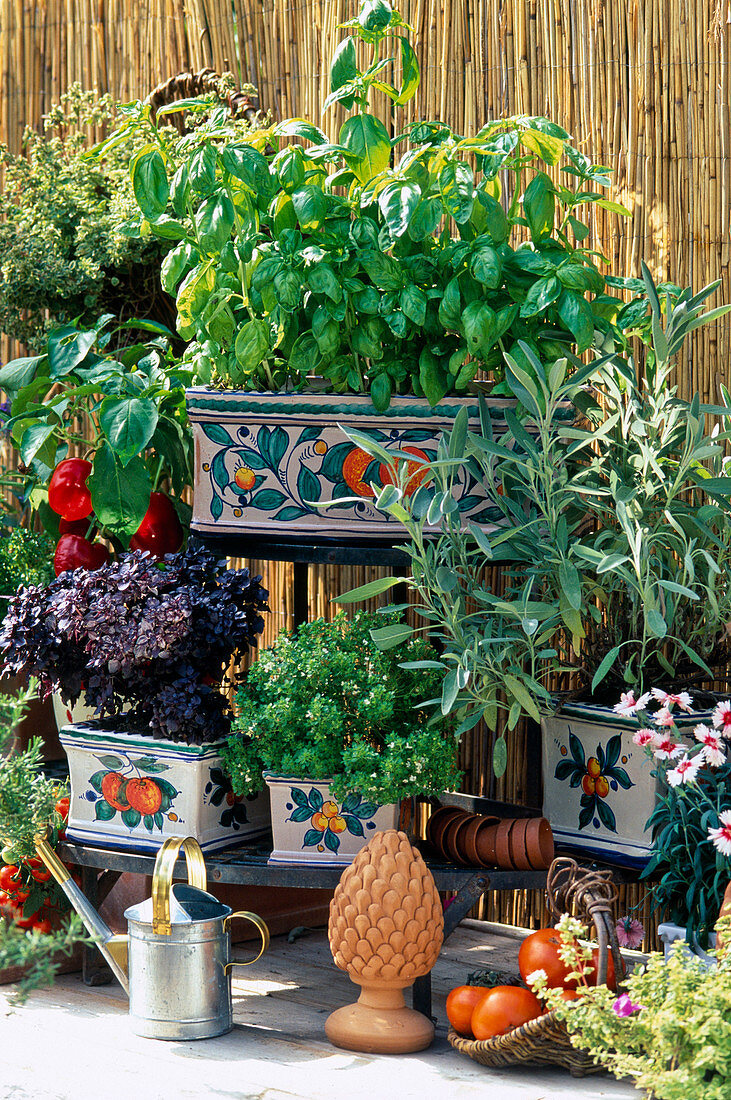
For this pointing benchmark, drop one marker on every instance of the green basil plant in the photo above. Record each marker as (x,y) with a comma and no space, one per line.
(383,265)
(615,536)
(122,407)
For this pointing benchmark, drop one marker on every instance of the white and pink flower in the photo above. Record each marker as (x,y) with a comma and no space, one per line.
(663,717)
(714,752)
(666,699)
(721,836)
(685,771)
(644,737)
(666,749)
(628,705)
(721,718)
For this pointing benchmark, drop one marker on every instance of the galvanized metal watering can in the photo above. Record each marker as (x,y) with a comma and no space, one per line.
(175,960)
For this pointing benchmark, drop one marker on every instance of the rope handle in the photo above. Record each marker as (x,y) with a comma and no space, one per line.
(594,894)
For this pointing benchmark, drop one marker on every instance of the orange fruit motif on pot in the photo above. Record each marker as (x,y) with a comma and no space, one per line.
(337,824)
(319,821)
(588,784)
(602,786)
(593,767)
(144,795)
(245,478)
(114,790)
(415,471)
(354,466)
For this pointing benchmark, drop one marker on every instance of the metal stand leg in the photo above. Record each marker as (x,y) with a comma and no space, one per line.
(301,602)
(94,971)
(458,908)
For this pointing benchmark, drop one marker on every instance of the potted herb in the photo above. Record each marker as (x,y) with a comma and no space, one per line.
(36,936)
(333,723)
(615,536)
(392,275)
(668,1029)
(147,643)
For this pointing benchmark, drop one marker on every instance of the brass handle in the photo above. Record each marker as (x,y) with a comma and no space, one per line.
(263,932)
(162,877)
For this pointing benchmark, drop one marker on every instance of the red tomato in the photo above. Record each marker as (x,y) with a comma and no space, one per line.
(160,531)
(62,808)
(503,1008)
(38,870)
(74,552)
(42,925)
(9,877)
(591,977)
(68,493)
(461,1003)
(539,951)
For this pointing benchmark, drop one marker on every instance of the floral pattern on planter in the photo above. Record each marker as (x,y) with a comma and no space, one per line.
(268,462)
(598,776)
(125,786)
(218,790)
(327,819)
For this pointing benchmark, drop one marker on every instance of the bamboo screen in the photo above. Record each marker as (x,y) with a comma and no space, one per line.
(642,85)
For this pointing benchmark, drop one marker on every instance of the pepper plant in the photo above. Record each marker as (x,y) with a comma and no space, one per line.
(384,265)
(135,436)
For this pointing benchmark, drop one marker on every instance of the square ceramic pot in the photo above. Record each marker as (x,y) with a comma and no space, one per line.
(598,791)
(130,792)
(311,826)
(265,462)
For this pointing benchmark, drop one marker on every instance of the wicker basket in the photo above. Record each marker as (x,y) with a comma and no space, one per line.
(545,1040)
(203,82)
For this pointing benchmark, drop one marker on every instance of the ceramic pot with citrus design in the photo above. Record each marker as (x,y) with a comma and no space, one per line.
(310,825)
(130,792)
(598,791)
(265,463)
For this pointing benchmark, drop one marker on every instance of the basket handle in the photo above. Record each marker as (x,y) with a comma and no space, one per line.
(594,893)
(162,877)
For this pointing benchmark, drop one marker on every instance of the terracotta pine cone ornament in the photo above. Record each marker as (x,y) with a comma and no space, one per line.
(386,929)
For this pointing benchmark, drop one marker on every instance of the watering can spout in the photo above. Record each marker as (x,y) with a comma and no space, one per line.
(113,947)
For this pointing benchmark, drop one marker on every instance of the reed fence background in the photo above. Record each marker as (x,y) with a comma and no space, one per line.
(642,85)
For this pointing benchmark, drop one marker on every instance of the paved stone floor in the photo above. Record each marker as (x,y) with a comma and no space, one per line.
(72,1042)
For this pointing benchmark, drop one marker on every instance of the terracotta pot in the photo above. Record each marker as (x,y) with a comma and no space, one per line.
(502,844)
(517,844)
(485,840)
(448,846)
(437,823)
(539,843)
(468,837)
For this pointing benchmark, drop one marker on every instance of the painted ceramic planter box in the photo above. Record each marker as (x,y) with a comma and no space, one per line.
(598,791)
(670,934)
(130,792)
(264,461)
(312,826)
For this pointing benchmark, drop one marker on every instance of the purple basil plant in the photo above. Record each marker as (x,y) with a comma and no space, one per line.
(153,638)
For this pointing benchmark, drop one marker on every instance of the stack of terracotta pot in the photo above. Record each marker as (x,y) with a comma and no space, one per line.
(476,840)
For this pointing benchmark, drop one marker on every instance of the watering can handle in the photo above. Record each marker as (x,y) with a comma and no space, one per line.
(162,877)
(263,932)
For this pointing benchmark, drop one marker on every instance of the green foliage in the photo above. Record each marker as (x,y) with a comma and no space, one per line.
(382,271)
(27,797)
(327,704)
(65,253)
(134,400)
(25,558)
(616,532)
(38,953)
(678,1045)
